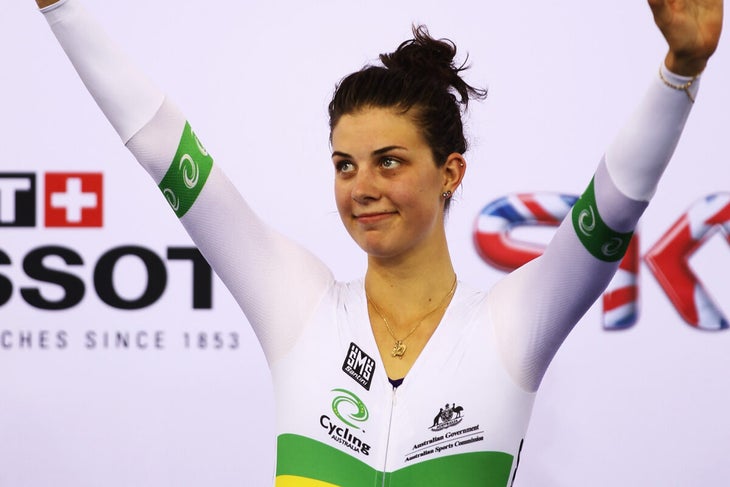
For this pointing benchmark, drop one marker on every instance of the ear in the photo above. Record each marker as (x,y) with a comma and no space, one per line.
(453,171)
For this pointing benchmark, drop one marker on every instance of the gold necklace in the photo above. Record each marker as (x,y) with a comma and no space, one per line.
(399,348)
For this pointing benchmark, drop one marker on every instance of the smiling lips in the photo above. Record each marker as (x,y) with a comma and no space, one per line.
(373,217)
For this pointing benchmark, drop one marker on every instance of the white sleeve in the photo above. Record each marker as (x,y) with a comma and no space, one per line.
(641,151)
(127,97)
(277,283)
(536,306)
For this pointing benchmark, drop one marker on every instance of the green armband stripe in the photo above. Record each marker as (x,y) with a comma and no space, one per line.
(602,242)
(187,174)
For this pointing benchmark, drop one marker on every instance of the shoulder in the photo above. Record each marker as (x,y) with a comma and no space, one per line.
(469,301)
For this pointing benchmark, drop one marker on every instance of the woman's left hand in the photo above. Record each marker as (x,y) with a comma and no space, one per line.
(692,30)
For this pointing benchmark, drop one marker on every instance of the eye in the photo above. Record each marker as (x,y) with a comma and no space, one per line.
(389,162)
(344,166)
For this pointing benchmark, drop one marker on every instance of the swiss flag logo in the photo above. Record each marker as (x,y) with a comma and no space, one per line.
(74,199)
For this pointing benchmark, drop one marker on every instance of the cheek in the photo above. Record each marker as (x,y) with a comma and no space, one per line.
(342,198)
(428,206)
(419,195)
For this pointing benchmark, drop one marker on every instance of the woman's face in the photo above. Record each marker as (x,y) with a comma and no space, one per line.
(387,185)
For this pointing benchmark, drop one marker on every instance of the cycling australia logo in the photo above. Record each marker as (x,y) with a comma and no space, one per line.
(69,200)
(360,415)
(350,410)
(447,417)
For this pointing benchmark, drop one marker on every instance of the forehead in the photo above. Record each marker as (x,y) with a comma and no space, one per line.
(375,127)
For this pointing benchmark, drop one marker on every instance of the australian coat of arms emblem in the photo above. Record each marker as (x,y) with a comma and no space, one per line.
(448,416)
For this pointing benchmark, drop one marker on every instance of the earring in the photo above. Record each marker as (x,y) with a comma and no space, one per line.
(446,194)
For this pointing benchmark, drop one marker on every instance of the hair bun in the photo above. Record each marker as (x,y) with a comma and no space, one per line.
(421,52)
(425,56)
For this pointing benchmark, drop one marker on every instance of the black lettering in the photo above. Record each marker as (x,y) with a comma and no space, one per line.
(61,339)
(122,339)
(34,267)
(202,275)
(5,339)
(25,339)
(90,339)
(156,277)
(141,339)
(43,339)
(6,287)
(159,340)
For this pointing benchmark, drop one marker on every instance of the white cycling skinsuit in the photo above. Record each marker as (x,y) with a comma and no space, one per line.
(460,415)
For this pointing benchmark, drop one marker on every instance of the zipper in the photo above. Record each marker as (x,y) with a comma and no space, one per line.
(393,403)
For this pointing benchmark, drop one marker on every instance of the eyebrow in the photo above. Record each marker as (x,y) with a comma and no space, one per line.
(376,152)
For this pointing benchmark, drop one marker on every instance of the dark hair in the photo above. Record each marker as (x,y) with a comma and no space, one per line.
(420,76)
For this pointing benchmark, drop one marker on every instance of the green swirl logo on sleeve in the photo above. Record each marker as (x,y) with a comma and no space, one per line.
(187,174)
(602,242)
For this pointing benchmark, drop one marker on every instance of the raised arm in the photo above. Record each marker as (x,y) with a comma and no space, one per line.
(535,307)
(258,266)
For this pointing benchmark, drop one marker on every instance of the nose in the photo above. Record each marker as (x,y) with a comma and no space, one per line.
(365,187)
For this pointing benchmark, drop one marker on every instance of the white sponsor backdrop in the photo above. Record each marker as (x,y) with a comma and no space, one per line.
(644,406)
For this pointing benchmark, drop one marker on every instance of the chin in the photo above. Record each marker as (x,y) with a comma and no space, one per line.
(382,251)
(374,249)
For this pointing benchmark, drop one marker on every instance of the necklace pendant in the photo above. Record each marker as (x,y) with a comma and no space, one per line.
(399,349)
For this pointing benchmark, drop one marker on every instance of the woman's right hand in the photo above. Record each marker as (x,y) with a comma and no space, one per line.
(692,30)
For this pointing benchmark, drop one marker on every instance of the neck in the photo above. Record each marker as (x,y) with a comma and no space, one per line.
(409,285)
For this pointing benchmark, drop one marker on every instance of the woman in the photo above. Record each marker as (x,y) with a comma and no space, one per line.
(408,376)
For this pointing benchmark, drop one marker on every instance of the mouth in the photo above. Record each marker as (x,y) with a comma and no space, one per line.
(373,217)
